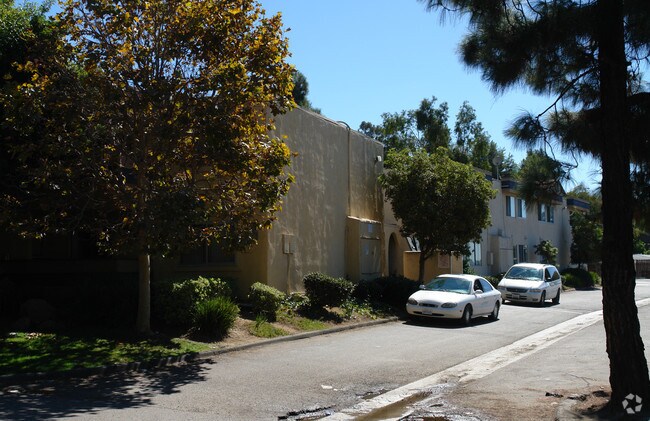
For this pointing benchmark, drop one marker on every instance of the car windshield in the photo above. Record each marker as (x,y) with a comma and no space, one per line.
(525,273)
(457,285)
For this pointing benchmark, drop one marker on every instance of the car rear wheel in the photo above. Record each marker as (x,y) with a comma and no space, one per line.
(542,299)
(467,315)
(495,312)
(556,300)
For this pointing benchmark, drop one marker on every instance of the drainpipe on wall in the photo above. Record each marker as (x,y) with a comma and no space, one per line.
(346,246)
(349,167)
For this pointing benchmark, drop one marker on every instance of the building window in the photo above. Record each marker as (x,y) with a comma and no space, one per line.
(521,208)
(546,213)
(520,254)
(523,253)
(475,254)
(510,206)
(515,207)
(207,254)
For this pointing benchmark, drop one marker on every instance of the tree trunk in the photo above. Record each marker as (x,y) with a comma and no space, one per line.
(423,258)
(143,324)
(628,365)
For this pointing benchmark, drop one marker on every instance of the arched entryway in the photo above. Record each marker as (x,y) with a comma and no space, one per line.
(393,255)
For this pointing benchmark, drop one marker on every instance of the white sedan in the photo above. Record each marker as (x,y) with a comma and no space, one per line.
(455,297)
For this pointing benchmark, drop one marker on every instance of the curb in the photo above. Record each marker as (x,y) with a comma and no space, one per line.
(141,366)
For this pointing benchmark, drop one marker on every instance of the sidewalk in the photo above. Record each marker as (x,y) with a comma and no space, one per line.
(547,385)
(566,381)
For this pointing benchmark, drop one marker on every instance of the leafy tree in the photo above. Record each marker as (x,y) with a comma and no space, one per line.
(473,143)
(587,237)
(24,31)
(423,128)
(641,192)
(396,131)
(443,203)
(149,129)
(25,34)
(301,90)
(540,178)
(431,122)
(586,228)
(547,252)
(587,53)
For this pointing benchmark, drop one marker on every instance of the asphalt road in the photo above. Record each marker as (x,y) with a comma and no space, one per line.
(324,373)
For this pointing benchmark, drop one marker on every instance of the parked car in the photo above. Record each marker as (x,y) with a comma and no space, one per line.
(531,283)
(456,297)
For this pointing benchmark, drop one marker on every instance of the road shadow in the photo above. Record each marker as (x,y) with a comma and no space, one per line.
(448,323)
(60,398)
(525,304)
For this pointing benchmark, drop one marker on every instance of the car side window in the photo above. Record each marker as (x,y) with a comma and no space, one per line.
(555,275)
(477,285)
(547,275)
(486,285)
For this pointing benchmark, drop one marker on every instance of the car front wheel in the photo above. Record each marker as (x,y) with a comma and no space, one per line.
(556,300)
(467,315)
(495,312)
(542,299)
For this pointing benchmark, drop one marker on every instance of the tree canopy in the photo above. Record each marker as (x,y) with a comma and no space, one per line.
(422,128)
(588,55)
(149,128)
(427,128)
(301,91)
(442,203)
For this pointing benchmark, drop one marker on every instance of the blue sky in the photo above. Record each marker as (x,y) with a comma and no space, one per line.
(366,57)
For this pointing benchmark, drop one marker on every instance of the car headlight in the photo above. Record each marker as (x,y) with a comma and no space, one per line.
(413,301)
(535,290)
(449,305)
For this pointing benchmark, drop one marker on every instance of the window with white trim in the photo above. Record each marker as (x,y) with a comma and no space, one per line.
(475,254)
(545,213)
(510,206)
(521,208)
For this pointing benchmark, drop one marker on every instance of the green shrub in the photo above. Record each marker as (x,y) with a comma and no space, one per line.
(577,278)
(494,280)
(570,281)
(397,289)
(265,300)
(323,290)
(215,317)
(369,290)
(595,278)
(294,302)
(175,302)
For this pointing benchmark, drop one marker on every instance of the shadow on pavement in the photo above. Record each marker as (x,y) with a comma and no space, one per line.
(46,399)
(448,323)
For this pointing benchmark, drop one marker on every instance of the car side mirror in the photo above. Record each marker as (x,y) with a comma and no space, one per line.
(422,286)
(478,291)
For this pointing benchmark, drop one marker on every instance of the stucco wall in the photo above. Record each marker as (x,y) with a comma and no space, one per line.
(507,231)
(434,266)
(336,173)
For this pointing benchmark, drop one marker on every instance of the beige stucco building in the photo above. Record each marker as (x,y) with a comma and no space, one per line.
(517,227)
(334,220)
(331,218)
